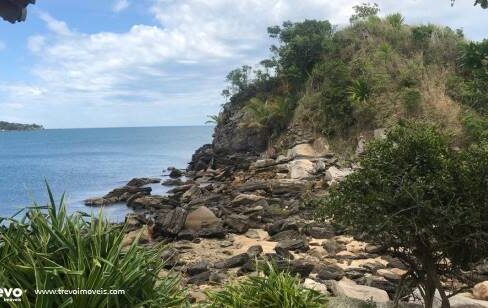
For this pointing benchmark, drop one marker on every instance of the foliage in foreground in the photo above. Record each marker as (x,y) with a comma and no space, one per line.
(49,249)
(426,201)
(273,289)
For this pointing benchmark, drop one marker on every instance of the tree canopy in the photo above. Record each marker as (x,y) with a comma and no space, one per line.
(418,197)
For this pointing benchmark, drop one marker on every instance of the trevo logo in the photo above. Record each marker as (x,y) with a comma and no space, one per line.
(10,294)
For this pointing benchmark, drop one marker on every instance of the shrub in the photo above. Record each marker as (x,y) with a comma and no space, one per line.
(49,249)
(412,98)
(396,20)
(274,289)
(414,194)
(476,127)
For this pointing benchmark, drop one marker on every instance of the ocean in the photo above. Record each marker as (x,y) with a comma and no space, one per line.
(87,163)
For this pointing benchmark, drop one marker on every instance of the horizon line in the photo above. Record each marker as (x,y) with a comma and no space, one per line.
(149,126)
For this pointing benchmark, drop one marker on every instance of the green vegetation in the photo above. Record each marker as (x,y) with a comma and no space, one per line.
(6,126)
(49,249)
(272,289)
(416,195)
(371,74)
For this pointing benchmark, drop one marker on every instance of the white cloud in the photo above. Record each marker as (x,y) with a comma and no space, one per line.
(120,5)
(56,26)
(36,42)
(172,72)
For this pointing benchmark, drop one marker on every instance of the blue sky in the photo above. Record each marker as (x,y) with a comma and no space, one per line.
(158,62)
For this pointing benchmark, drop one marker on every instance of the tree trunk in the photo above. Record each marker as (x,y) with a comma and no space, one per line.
(432,283)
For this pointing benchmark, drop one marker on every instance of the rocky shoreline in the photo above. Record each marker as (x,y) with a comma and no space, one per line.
(228,212)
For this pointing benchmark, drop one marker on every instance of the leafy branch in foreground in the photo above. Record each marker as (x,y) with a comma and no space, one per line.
(272,289)
(49,249)
(423,200)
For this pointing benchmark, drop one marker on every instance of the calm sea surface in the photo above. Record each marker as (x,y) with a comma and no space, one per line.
(89,162)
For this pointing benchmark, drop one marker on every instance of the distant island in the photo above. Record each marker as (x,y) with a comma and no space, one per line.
(6,126)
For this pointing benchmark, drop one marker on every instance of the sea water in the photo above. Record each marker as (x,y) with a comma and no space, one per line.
(85,163)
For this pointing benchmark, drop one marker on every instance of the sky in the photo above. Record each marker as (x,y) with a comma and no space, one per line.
(113,63)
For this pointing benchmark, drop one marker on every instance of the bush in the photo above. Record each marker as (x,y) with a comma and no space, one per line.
(425,201)
(49,249)
(274,289)
(412,99)
(476,127)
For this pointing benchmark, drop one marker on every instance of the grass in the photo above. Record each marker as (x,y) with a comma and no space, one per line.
(273,289)
(50,249)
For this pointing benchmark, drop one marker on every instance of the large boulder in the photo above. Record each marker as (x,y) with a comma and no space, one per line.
(334,174)
(171,223)
(201,218)
(304,150)
(465,300)
(300,169)
(349,288)
(480,291)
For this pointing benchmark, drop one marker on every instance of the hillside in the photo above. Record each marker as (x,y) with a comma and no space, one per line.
(343,84)
(6,126)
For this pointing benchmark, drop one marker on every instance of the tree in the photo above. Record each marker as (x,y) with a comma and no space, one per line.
(422,200)
(239,79)
(364,11)
(302,45)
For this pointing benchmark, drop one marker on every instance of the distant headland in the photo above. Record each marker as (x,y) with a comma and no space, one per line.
(6,126)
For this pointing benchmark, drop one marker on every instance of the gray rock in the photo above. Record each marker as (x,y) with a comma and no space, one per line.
(325,232)
(248,267)
(216,277)
(283,253)
(333,247)
(281,225)
(200,218)
(350,289)
(254,251)
(199,278)
(216,232)
(237,223)
(175,173)
(355,273)
(172,182)
(296,267)
(170,257)
(294,245)
(374,248)
(330,272)
(138,182)
(171,224)
(197,268)
(149,202)
(134,221)
(234,261)
(286,235)
(188,235)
